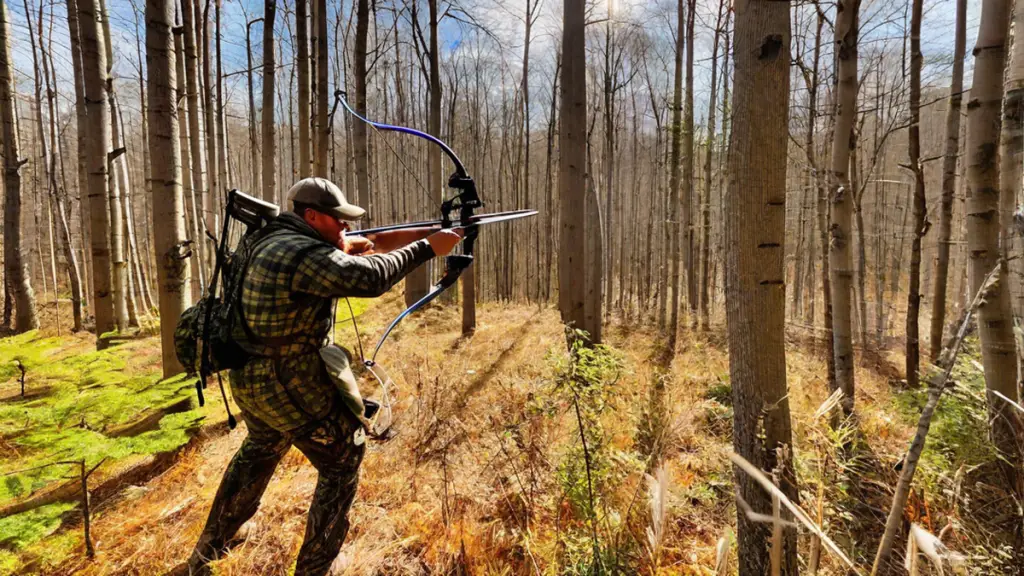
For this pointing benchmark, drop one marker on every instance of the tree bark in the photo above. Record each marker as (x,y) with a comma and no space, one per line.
(676,249)
(359,128)
(15,272)
(755,227)
(119,266)
(322,92)
(920,207)
(168,204)
(81,130)
(998,349)
(572,165)
(705,205)
(192,210)
(57,195)
(256,187)
(302,38)
(197,137)
(689,245)
(98,119)
(841,230)
(269,122)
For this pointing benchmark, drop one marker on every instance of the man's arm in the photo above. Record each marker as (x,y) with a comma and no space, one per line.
(384,242)
(330,273)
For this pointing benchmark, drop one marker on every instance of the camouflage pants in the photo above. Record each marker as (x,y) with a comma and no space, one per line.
(330,447)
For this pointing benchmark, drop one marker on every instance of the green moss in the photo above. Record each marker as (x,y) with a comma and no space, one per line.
(9,562)
(88,393)
(19,530)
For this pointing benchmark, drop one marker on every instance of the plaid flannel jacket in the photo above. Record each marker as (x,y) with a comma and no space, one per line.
(287,300)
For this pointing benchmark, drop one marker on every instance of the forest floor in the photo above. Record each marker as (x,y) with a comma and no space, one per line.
(487,474)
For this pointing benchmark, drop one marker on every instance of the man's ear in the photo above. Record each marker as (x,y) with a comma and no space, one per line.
(309,216)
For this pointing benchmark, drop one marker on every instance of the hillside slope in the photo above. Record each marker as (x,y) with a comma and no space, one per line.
(488,474)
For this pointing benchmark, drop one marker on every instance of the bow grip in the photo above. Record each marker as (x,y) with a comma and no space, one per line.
(455,264)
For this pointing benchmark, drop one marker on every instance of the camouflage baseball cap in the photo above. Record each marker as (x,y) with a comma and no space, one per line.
(323,196)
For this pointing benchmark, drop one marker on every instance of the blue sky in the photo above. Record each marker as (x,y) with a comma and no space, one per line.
(501,18)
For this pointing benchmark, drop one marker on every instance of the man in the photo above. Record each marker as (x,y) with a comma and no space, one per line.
(298,267)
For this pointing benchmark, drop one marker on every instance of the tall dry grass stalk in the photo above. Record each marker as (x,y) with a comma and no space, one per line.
(657,486)
(723,554)
(797,512)
(921,541)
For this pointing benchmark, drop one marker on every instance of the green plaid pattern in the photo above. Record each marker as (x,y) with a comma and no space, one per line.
(290,285)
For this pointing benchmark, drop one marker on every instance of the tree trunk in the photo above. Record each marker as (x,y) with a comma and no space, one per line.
(168,205)
(269,123)
(755,227)
(998,349)
(255,186)
(129,248)
(549,203)
(689,245)
(192,210)
(322,92)
(841,230)
(949,161)
(197,137)
(302,38)
(213,136)
(572,165)
(705,205)
(119,266)
(81,125)
(57,195)
(98,119)
(15,272)
(914,157)
(359,128)
(676,249)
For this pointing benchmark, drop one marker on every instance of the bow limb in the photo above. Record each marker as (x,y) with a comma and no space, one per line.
(460,169)
(456,265)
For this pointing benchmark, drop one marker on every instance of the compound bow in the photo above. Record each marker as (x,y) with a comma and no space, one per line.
(465,202)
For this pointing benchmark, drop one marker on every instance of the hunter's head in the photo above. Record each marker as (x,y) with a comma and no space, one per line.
(323,206)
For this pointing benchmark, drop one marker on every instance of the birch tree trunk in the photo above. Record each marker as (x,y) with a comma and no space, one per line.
(197,137)
(81,125)
(841,230)
(15,272)
(119,266)
(755,223)
(998,349)
(192,210)
(168,205)
(98,119)
(56,196)
(269,122)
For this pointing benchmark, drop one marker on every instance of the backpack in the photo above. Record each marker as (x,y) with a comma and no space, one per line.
(203,340)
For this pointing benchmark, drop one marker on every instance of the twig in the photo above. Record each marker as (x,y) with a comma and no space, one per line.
(938,386)
(800,515)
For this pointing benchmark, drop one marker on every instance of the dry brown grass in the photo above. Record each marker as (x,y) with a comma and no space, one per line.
(468,485)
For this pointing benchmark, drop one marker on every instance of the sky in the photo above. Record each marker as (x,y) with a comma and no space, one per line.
(882,25)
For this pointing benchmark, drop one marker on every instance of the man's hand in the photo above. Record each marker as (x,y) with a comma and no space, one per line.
(356,245)
(443,241)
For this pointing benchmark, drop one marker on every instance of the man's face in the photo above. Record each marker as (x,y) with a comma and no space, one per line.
(331,228)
